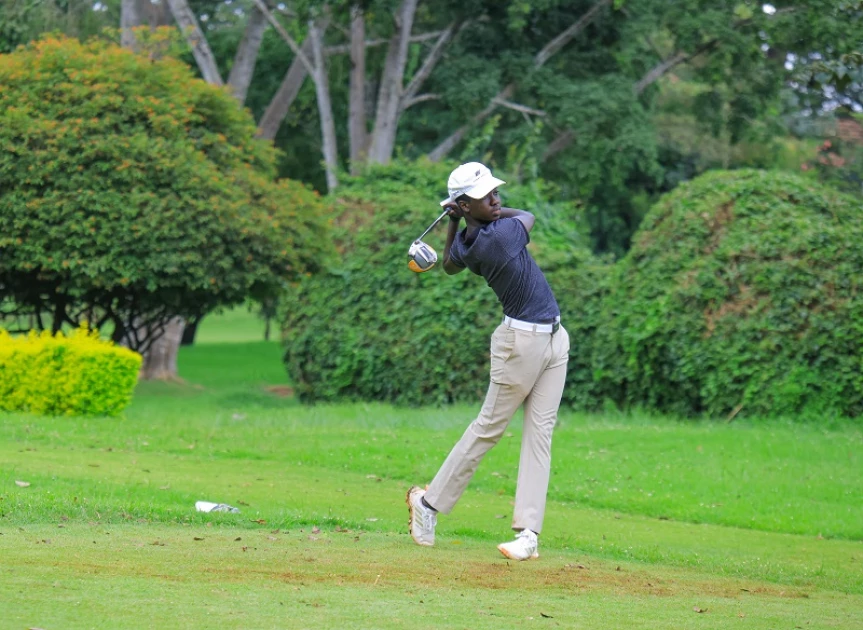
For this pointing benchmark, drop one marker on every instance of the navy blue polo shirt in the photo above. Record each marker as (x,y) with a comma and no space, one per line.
(499,254)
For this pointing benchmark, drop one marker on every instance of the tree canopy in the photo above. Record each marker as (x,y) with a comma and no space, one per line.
(132,192)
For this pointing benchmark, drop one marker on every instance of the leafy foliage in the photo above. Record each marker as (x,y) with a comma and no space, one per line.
(741,294)
(130,191)
(370,329)
(57,375)
(24,20)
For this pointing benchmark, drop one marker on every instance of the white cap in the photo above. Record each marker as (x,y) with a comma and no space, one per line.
(472,179)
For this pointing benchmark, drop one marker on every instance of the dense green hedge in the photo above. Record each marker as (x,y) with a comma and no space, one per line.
(370,329)
(741,294)
(79,374)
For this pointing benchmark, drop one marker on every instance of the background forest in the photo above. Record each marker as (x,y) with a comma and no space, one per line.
(615,102)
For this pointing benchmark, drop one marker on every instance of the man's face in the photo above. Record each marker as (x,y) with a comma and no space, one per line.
(486,209)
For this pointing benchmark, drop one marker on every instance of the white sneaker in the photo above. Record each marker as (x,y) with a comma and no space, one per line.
(524,547)
(422,519)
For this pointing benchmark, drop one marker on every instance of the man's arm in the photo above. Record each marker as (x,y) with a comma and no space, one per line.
(448,265)
(522,215)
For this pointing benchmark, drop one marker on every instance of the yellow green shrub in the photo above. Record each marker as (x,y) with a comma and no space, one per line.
(75,374)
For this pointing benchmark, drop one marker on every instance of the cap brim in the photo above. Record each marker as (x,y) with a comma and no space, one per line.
(484,187)
(480,190)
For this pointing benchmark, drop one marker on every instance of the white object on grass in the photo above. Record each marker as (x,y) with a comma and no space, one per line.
(206,506)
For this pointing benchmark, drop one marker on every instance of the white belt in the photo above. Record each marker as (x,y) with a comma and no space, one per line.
(543,328)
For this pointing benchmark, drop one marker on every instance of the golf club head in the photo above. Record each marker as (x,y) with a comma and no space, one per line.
(421,257)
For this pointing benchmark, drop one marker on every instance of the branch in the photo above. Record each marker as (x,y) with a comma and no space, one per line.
(676,59)
(564,38)
(420,99)
(541,57)
(342,49)
(278,108)
(195,37)
(658,70)
(434,56)
(524,109)
(449,144)
(310,68)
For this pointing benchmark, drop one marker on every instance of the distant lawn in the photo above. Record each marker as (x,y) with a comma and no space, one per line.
(239,325)
(652,523)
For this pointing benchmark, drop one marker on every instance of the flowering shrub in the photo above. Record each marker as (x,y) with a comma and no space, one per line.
(78,374)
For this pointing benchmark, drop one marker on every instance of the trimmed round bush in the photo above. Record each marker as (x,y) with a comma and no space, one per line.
(370,329)
(741,295)
(75,374)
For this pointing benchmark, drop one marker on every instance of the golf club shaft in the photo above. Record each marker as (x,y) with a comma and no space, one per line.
(436,221)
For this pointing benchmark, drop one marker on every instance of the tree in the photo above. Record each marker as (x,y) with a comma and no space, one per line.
(134,193)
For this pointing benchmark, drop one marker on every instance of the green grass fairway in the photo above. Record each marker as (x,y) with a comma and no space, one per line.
(651,523)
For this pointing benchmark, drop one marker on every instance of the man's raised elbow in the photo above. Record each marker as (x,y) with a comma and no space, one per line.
(527,220)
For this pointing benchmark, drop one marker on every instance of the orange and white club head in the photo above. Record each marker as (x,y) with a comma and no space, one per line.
(421,257)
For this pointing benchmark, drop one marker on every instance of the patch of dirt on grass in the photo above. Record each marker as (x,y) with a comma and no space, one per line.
(536,575)
(323,563)
(280,390)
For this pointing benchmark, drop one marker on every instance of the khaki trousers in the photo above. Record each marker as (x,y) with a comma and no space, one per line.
(526,367)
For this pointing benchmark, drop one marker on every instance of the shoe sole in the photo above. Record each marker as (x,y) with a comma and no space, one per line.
(507,554)
(411,519)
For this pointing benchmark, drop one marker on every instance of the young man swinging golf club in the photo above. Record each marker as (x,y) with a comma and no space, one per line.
(529,353)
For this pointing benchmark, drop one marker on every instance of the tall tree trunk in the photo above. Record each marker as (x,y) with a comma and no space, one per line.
(390,93)
(357,132)
(574,29)
(130,17)
(157,14)
(325,109)
(247,54)
(200,48)
(160,360)
(278,108)
(190,331)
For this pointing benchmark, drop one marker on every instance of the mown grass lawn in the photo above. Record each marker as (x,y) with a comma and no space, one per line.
(652,522)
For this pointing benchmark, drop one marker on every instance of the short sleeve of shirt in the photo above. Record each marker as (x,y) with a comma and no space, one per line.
(511,235)
(455,254)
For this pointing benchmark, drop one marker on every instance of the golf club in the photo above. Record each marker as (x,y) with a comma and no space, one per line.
(421,256)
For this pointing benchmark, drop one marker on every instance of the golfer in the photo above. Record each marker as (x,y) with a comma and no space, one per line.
(529,353)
